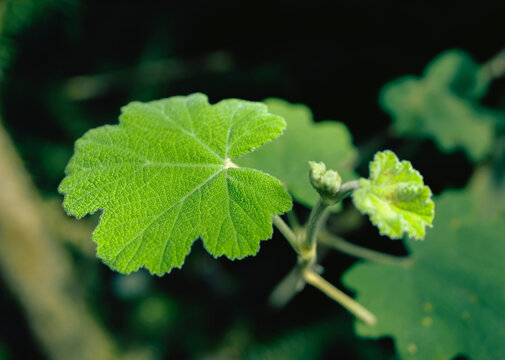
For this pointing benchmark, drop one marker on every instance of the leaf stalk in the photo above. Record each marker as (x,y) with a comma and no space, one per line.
(287,232)
(328,239)
(343,299)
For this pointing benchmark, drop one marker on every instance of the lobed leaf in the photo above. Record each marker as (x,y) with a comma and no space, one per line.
(443,105)
(395,197)
(164,177)
(449,300)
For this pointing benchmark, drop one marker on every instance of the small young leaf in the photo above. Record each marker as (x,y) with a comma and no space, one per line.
(449,300)
(395,197)
(303,141)
(164,177)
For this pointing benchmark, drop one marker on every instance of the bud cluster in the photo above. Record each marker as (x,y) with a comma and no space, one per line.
(326,182)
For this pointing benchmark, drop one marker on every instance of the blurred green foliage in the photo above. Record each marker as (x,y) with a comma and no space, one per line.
(444,105)
(450,298)
(3,352)
(16,14)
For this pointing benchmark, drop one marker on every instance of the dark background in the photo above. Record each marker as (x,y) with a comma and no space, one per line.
(76,63)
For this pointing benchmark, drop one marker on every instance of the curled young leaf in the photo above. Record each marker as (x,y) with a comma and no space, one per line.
(395,197)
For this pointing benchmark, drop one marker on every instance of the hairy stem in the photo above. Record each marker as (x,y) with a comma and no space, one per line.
(336,242)
(314,221)
(333,293)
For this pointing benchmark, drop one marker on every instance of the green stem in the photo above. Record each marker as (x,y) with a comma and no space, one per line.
(335,242)
(333,293)
(347,188)
(293,221)
(287,232)
(314,221)
(288,287)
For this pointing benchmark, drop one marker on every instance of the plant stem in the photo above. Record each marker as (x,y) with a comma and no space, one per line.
(314,221)
(336,242)
(349,187)
(293,221)
(288,287)
(287,232)
(332,292)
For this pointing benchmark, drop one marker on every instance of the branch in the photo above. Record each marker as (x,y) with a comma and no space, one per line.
(294,222)
(347,302)
(68,229)
(286,232)
(314,221)
(348,248)
(287,288)
(39,272)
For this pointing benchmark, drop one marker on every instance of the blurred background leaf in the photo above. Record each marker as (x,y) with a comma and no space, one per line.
(449,299)
(443,105)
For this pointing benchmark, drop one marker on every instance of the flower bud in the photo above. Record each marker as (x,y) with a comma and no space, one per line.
(326,182)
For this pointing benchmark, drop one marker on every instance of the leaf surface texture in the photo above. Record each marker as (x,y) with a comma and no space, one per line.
(395,197)
(164,177)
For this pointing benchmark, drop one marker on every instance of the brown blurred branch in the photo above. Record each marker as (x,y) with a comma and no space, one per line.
(76,233)
(150,72)
(38,270)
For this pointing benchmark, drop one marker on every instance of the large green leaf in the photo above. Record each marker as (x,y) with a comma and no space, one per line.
(287,158)
(443,105)
(164,177)
(450,299)
(395,197)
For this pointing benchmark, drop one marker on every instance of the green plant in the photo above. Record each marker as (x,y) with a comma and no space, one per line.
(166,176)
(180,169)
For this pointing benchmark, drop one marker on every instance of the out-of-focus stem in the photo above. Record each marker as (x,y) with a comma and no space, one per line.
(288,287)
